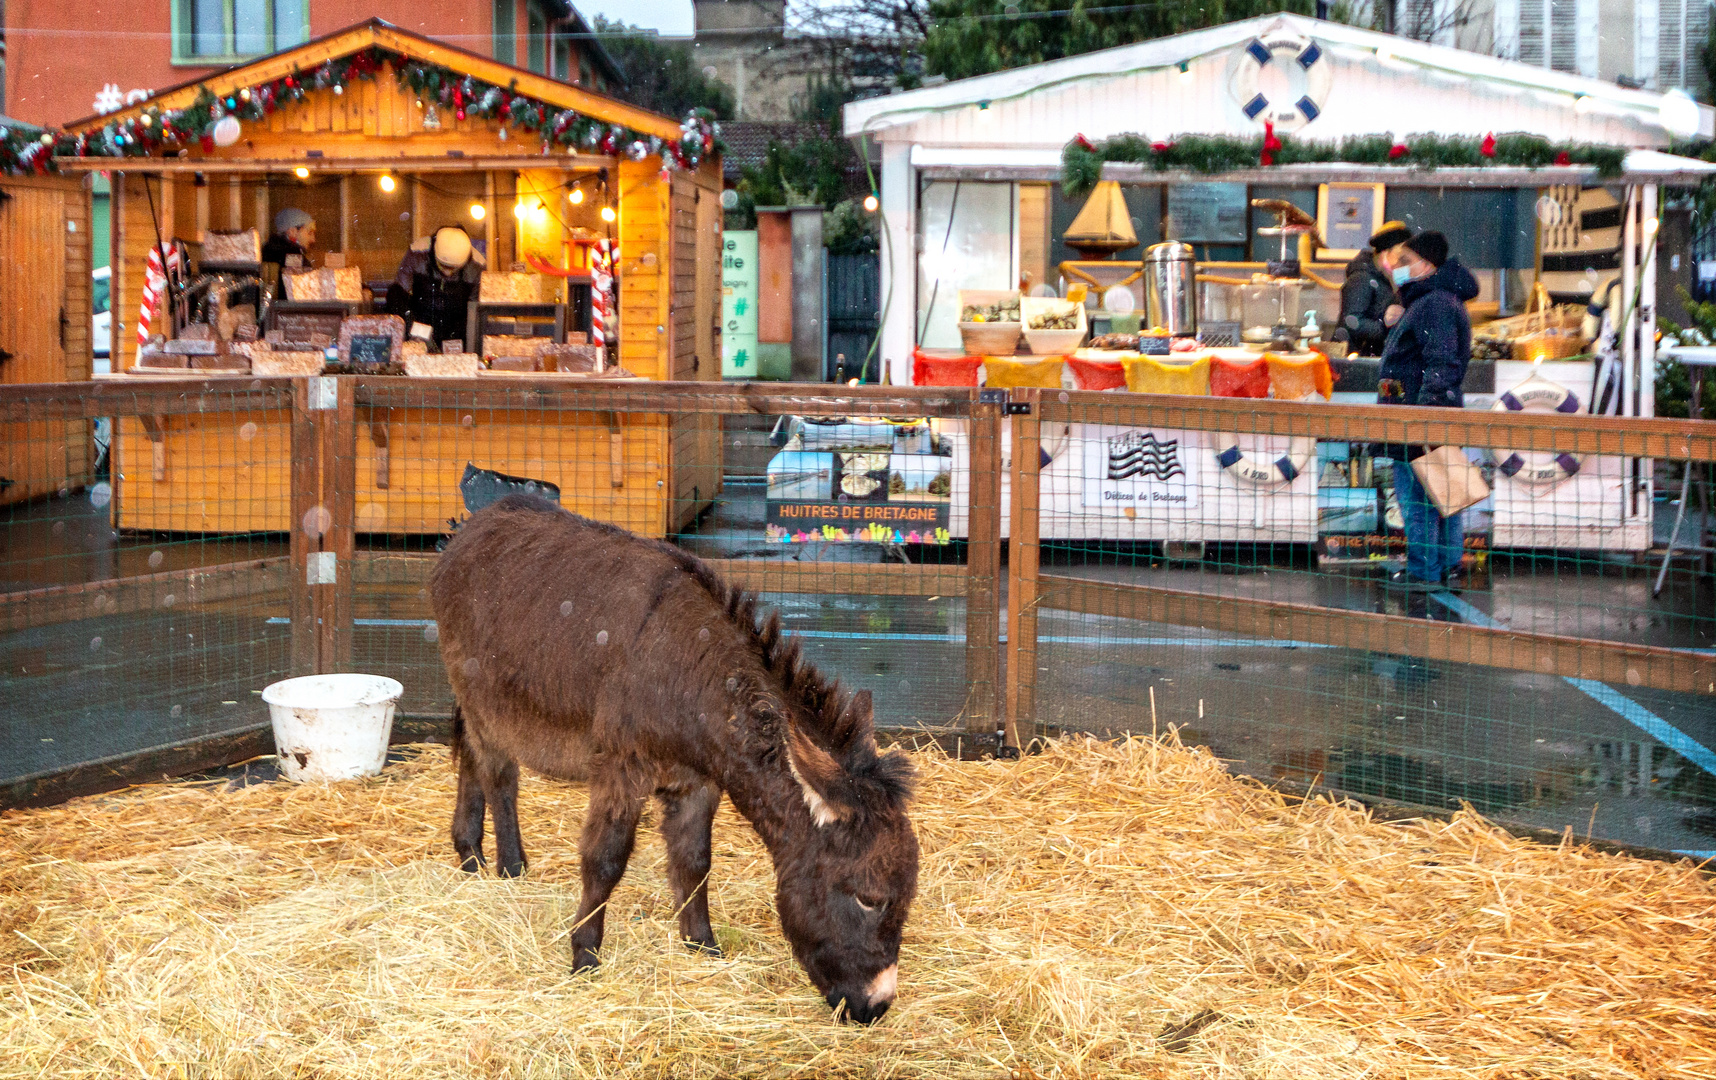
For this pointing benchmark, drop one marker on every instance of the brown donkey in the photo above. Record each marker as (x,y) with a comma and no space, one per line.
(587,653)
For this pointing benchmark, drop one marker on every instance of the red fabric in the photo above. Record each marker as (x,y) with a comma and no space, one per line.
(1270,143)
(1488,146)
(1235,378)
(945,370)
(1098,374)
(1397,151)
(1563,158)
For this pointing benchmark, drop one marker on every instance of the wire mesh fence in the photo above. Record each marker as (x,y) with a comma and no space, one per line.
(993,567)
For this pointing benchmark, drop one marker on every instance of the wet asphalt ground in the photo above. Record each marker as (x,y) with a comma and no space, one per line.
(1620,763)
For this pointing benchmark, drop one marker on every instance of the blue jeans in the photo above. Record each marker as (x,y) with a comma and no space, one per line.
(1434,543)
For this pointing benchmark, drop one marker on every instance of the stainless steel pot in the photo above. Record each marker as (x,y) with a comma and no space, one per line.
(1170,272)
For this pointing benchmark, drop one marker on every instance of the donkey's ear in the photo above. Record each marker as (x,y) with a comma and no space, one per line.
(820,778)
(855,731)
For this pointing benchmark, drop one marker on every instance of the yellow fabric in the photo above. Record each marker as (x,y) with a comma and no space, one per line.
(1152,375)
(1006,373)
(1290,380)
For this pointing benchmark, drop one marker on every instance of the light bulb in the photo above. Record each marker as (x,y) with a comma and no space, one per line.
(388,183)
(871,202)
(1384,55)
(301,173)
(1581,103)
(1185,72)
(479,211)
(1651,225)
(540,213)
(608,214)
(577,196)
(519,210)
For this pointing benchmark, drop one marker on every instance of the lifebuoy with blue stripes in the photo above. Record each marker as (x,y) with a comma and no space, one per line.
(1538,466)
(1248,466)
(1309,78)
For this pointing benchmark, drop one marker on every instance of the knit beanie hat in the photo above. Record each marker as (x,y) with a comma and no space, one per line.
(1431,246)
(291,218)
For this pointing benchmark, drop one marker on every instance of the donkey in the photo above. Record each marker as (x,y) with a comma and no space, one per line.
(584,652)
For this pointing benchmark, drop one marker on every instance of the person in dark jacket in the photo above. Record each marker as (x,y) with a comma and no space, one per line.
(437,279)
(1424,363)
(1368,294)
(294,234)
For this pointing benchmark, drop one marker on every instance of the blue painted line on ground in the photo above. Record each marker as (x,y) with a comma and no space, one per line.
(1621,705)
(1652,724)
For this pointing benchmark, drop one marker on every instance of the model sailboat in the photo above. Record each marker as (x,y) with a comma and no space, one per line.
(1103,226)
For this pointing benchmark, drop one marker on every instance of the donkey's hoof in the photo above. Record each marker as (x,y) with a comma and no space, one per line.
(704,948)
(584,960)
(511,870)
(471,864)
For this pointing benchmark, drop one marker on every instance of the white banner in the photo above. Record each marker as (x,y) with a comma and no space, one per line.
(1143,469)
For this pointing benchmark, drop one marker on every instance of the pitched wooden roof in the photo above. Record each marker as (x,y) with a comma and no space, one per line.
(377,33)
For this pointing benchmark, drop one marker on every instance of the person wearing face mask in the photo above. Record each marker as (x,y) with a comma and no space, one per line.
(1424,363)
(1367,295)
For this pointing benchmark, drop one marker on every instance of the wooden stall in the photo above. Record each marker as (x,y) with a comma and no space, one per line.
(44,326)
(381,165)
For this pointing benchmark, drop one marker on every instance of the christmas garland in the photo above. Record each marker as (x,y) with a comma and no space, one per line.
(1082,160)
(213,120)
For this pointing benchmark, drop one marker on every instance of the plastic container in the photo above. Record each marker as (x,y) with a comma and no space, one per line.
(332,727)
(1053,342)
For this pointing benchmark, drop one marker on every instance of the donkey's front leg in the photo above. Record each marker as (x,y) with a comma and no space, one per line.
(610,829)
(688,812)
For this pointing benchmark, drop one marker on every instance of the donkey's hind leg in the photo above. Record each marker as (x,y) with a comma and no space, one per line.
(468,810)
(688,815)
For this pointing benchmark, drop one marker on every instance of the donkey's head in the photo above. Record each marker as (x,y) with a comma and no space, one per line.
(848,876)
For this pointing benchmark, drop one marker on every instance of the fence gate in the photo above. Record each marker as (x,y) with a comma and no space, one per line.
(854,311)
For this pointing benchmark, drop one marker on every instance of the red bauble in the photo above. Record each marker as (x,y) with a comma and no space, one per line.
(1161,147)
(1488,146)
(1397,151)
(207,143)
(460,114)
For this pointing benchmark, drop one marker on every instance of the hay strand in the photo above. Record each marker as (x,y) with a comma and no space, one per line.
(1100,909)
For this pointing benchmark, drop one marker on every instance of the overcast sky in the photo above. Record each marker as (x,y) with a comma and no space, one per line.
(671,17)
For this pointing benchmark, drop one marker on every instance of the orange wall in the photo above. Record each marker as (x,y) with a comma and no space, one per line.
(774,276)
(59,55)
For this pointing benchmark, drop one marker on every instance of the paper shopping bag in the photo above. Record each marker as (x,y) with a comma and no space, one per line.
(1452,482)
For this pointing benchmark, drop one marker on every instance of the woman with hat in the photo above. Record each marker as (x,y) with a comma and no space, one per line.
(1367,295)
(1424,363)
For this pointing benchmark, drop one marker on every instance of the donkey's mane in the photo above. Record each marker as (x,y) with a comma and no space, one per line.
(782,657)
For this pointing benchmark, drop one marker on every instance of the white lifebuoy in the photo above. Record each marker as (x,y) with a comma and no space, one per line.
(1538,394)
(1309,78)
(1246,465)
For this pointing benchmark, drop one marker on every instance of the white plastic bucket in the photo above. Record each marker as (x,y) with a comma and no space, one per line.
(332,727)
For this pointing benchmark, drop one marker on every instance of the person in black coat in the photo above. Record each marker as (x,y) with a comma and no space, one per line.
(437,279)
(1367,295)
(1424,363)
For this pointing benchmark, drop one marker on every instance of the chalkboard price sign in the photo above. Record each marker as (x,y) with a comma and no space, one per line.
(1152,345)
(375,350)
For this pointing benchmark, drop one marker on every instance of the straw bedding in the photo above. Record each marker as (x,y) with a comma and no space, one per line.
(1098,910)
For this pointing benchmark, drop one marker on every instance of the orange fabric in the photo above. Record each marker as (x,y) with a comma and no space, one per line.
(1006,373)
(1291,380)
(1148,375)
(944,370)
(1239,378)
(1097,374)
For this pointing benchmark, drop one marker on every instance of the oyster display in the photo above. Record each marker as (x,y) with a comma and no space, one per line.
(859,486)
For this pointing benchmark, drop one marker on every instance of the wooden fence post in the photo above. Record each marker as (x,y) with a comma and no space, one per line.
(983,702)
(1023,555)
(324,488)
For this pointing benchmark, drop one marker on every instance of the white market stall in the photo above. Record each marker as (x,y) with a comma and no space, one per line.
(972,199)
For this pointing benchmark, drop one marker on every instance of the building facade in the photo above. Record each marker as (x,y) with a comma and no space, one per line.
(746,44)
(1649,44)
(67,61)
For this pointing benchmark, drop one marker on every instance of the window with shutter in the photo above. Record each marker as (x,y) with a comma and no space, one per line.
(1531,23)
(1681,29)
(1563,36)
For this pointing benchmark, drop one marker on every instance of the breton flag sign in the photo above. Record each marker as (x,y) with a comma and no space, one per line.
(1139,469)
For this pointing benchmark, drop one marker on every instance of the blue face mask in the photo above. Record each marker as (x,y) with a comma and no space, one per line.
(1401,275)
